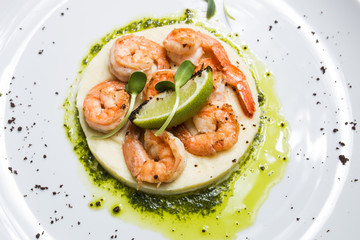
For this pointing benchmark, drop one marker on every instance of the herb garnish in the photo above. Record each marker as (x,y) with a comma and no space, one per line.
(182,76)
(226,12)
(210,9)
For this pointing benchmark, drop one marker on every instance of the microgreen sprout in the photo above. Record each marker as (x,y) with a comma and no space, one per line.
(182,76)
(226,11)
(210,9)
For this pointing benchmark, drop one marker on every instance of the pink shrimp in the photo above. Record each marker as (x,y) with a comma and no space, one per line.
(132,53)
(158,160)
(218,130)
(106,105)
(188,44)
(158,76)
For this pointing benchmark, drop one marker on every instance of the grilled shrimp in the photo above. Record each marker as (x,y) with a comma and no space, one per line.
(106,105)
(187,44)
(218,130)
(158,76)
(158,160)
(132,53)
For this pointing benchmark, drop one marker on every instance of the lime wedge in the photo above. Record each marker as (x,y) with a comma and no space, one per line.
(193,96)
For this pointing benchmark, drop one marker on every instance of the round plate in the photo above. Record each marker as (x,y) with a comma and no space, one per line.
(310,47)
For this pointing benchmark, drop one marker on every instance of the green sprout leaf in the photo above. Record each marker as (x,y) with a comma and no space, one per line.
(135,85)
(164,85)
(226,11)
(182,76)
(210,9)
(184,73)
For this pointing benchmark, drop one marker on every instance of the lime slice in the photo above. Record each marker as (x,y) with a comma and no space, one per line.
(193,96)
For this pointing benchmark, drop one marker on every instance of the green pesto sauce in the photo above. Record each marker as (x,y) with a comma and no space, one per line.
(215,212)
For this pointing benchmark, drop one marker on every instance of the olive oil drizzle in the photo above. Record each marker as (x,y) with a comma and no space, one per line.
(217,211)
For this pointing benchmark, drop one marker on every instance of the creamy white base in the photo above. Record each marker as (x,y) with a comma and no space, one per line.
(199,171)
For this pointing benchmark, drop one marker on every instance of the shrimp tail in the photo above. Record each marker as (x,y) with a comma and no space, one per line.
(237,79)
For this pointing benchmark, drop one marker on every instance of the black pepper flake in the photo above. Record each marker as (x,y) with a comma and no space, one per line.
(12,120)
(37,236)
(270,27)
(323,69)
(98,203)
(298,27)
(262,168)
(19,129)
(342,144)
(156,176)
(116,209)
(37,186)
(234,160)
(12,104)
(343,159)
(41,51)
(335,130)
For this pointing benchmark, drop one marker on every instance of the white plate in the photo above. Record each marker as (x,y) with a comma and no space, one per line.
(318,197)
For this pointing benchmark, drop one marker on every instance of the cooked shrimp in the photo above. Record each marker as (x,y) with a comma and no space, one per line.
(106,105)
(187,44)
(158,160)
(181,45)
(158,76)
(132,53)
(218,130)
